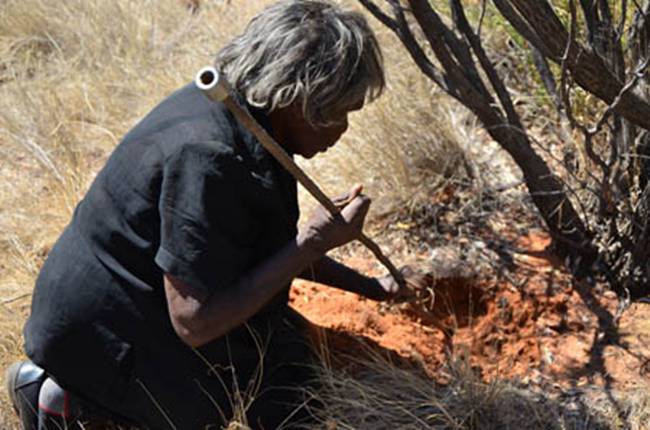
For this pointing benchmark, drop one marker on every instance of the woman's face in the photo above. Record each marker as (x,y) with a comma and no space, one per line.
(297,136)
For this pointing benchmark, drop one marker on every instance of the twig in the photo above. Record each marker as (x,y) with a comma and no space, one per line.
(621,24)
(481,17)
(15,299)
(638,73)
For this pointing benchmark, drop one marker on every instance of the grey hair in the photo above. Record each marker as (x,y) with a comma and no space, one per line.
(307,51)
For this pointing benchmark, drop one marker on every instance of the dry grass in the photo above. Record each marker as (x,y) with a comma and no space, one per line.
(76,75)
(375,394)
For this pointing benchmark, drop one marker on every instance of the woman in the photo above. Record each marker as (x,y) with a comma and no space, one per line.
(164,301)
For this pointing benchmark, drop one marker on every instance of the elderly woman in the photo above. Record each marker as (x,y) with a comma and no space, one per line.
(164,301)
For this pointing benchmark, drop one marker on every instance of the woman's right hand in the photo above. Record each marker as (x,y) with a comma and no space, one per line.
(325,231)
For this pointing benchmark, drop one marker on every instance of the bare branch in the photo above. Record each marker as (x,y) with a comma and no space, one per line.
(481,17)
(380,15)
(565,90)
(476,98)
(620,30)
(522,27)
(464,58)
(564,76)
(637,5)
(401,29)
(548,80)
(588,69)
(486,64)
(613,50)
(638,74)
(591,20)
(595,216)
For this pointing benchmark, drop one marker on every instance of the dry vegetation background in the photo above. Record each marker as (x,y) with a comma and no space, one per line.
(76,75)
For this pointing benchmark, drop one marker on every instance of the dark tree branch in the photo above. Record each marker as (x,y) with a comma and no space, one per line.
(481,17)
(521,25)
(613,47)
(591,20)
(588,69)
(640,33)
(400,27)
(548,80)
(550,85)
(463,55)
(545,189)
(620,30)
(437,35)
(486,64)
(612,228)
(565,90)
(637,75)
(380,15)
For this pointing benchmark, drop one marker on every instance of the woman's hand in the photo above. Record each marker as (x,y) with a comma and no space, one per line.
(325,231)
(390,289)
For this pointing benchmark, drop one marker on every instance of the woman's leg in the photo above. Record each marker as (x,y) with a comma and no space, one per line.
(289,377)
(174,387)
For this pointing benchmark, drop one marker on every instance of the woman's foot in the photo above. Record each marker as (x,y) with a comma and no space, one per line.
(24,380)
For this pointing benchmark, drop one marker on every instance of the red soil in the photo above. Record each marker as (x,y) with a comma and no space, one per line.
(541,330)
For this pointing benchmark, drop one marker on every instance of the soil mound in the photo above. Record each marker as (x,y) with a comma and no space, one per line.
(535,326)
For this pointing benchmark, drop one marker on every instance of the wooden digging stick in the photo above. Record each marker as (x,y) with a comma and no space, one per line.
(217,89)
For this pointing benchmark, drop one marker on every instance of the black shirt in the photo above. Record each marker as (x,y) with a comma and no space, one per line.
(188,192)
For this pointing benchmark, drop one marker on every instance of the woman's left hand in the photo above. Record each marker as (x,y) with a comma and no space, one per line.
(392,290)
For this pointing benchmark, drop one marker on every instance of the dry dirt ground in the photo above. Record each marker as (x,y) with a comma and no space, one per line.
(533,327)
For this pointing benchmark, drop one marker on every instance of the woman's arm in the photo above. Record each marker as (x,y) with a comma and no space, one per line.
(334,274)
(199,317)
